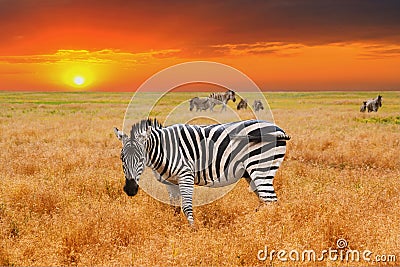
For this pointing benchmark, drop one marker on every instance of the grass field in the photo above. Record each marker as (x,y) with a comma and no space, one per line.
(61,198)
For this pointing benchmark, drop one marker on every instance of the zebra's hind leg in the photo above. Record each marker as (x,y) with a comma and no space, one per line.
(212,105)
(174,197)
(261,183)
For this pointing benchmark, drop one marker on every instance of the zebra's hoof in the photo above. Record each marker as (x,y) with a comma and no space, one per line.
(263,205)
(177,210)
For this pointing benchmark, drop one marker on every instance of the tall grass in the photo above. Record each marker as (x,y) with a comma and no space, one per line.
(61,198)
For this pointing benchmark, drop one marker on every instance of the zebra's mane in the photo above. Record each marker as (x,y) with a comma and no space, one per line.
(229,91)
(142,125)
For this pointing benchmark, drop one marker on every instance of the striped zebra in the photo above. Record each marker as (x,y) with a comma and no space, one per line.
(183,155)
(221,99)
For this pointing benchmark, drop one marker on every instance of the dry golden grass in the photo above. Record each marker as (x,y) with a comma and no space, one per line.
(61,198)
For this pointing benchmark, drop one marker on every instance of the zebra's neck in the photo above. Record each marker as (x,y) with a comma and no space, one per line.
(154,153)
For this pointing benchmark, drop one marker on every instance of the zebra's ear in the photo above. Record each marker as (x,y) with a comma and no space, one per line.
(119,134)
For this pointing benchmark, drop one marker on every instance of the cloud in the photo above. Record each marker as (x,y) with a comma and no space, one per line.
(380,51)
(270,49)
(145,25)
(105,56)
(259,48)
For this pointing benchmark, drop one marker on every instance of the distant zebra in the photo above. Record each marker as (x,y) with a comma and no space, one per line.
(363,107)
(199,103)
(221,98)
(372,104)
(258,105)
(214,155)
(242,104)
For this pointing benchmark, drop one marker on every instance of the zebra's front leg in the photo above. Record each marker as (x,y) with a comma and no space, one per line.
(186,187)
(174,197)
(223,107)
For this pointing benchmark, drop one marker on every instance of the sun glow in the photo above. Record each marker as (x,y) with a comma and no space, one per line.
(79,77)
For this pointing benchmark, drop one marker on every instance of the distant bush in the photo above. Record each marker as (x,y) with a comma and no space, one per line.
(388,120)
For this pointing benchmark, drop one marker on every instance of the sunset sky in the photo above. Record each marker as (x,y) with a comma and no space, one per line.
(66,45)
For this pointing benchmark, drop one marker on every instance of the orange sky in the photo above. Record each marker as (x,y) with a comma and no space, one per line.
(281,45)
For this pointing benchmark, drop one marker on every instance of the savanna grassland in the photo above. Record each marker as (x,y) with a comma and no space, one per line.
(62,203)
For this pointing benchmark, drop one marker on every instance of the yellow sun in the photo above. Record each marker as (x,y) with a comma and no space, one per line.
(79,80)
(80,77)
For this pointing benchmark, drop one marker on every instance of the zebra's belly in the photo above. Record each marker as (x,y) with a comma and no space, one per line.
(225,179)
(204,181)
(221,182)
(173,179)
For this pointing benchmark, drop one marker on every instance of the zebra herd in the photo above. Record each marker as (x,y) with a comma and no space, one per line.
(208,103)
(372,104)
(218,155)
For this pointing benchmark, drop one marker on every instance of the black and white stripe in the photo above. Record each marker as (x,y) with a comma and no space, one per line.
(214,155)
(221,99)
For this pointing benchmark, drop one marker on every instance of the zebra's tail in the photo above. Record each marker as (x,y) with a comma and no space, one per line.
(272,137)
(283,136)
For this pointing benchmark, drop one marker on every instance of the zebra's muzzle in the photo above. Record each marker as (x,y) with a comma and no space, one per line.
(131,187)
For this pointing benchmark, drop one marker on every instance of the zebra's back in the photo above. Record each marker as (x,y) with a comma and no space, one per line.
(219,154)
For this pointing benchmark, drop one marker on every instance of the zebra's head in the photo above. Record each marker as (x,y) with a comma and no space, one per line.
(231,95)
(379,100)
(133,155)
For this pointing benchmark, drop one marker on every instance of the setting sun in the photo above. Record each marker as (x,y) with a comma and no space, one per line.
(79,80)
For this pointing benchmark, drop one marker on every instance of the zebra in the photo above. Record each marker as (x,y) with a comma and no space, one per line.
(258,105)
(363,107)
(242,104)
(200,103)
(221,98)
(374,104)
(183,155)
